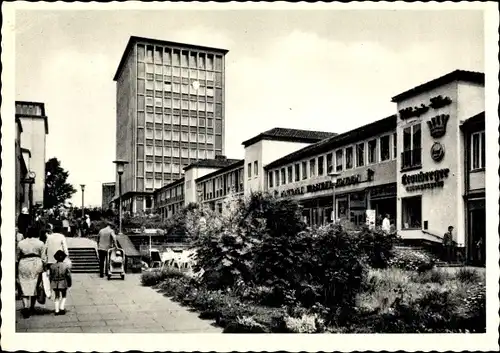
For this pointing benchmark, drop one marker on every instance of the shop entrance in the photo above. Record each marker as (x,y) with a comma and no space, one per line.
(476,240)
(383,207)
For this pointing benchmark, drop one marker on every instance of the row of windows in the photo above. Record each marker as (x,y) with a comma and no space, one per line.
(167,88)
(222,185)
(149,102)
(176,57)
(255,169)
(478,150)
(176,152)
(367,152)
(178,120)
(176,136)
(177,75)
(173,193)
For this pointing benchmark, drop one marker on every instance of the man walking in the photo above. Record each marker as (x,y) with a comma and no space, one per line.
(448,244)
(106,239)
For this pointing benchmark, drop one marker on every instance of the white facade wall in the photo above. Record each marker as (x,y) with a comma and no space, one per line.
(264,152)
(33,138)
(190,176)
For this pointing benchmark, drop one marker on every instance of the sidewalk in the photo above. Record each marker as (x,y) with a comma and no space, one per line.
(100,306)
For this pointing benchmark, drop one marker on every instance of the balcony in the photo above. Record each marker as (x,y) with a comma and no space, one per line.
(411,159)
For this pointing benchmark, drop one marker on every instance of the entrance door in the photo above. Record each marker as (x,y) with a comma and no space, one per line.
(342,208)
(477,236)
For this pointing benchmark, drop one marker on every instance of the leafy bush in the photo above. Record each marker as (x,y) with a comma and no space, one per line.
(151,278)
(467,275)
(411,260)
(377,246)
(305,324)
(432,276)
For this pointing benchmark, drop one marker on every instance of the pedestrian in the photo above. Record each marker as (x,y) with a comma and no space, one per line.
(55,241)
(480,251)
(448,244)
(106,239)
(386,224)
(87,221)
(60,281)
(24,221)
(65,223)
(29,268)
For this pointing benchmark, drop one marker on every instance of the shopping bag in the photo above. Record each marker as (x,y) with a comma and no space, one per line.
(46,284)
(40,293)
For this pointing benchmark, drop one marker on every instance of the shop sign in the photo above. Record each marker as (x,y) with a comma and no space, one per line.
(383,191)
(437,125)
(370,218)
(437,152)
(425,180)
(325,185)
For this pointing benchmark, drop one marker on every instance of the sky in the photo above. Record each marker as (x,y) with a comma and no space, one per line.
(329,70)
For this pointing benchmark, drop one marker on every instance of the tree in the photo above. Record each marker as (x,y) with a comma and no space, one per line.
(57,190)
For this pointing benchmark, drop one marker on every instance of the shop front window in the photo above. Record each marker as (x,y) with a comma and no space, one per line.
(412,212)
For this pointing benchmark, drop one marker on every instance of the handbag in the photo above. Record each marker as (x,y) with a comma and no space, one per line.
(46,284)
(40,293)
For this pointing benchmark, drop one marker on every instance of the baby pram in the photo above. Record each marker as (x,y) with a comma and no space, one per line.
(116,263)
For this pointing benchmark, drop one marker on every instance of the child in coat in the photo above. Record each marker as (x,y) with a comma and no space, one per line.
(60,281)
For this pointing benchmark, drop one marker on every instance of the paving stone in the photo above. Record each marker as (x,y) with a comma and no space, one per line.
(89,317)
(75,329)
(101,329)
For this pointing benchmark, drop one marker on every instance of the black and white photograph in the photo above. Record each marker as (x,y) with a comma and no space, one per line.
(205,170)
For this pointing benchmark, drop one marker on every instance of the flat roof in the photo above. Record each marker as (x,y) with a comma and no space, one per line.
(457,75)
(42,116)
(217,162)
(291,135)
(169,185)
(135,39)
(360,133)
(239,163)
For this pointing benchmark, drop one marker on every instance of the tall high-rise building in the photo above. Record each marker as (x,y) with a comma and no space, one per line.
(169,113)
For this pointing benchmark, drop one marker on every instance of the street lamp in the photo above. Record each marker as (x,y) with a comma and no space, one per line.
(334,176)
(120,167)
(83,199)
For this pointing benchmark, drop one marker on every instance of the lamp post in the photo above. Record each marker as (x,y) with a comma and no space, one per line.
(334,176)
(83,200)
(120,167)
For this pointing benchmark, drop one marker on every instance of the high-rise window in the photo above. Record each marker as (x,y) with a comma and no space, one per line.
(141,52)
(348,158)
(184,153)
(360,154)
(176,120)
(149,54)
(210,154)
(149,133)
(201,62)
(210,139)
(167,151)
(192,137)
(339,160)
(176,58)
(210,76)
(184,59)
(167,57)
(192,60)
(201,138)
(185,120)
(218,63)
(175,136)
(478,150)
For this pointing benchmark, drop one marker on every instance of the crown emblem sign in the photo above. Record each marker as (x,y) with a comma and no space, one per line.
(437,125)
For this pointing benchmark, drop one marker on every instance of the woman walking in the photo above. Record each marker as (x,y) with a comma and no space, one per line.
(30,266)
(55,241)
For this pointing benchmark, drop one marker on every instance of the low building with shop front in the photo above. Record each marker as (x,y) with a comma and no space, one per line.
(424,167)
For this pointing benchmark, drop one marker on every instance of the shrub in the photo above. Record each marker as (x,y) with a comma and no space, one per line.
(151,278)
(412,260)
(377,246)
(304,324)
(432,276)
(467,275)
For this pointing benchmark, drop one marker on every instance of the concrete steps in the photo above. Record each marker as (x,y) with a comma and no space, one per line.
(84,260)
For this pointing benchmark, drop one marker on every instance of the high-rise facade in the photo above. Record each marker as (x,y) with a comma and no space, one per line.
(170,113)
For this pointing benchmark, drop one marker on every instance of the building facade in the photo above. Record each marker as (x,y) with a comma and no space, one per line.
(34,132)
(424,167)
(108,193)
(170,113)
(21,170)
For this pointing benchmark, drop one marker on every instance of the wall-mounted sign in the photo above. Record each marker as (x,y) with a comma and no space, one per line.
(425,180)
(437,125)
(437,152)
(326,185)
(383,191)
(436,103)
(411,112)
(439,102)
